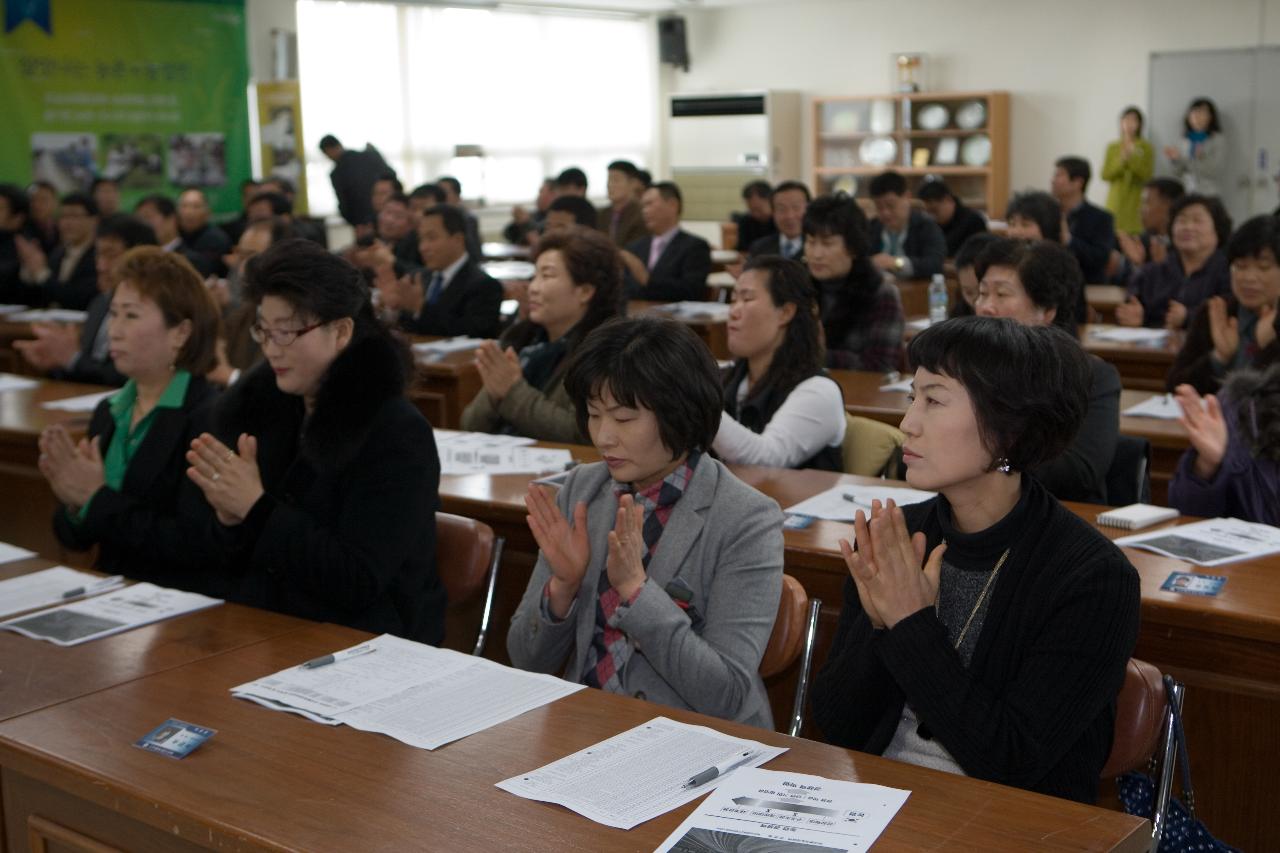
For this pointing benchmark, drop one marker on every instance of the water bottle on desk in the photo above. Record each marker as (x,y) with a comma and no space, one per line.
(937,299)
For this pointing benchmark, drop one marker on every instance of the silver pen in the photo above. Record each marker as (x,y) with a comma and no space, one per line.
(718,770)
(325,660)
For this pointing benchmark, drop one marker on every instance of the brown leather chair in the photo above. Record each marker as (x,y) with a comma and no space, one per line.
(1144,735)
(793,635)
(467,557)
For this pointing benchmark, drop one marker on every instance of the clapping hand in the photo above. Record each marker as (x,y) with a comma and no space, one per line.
(231,482)
(625,563)
(563,546)
(75,472)
(1224,329)
(1176,316)
(1265,332)
(1130,312)
(1206,428)
(499,369)
(886,568)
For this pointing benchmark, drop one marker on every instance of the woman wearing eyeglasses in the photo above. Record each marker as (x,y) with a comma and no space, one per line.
(322,475)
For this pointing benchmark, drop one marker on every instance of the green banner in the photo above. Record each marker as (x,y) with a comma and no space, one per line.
(152,93)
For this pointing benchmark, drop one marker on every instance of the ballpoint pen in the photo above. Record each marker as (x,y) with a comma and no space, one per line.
(325,660)
(718,770)
(97,586)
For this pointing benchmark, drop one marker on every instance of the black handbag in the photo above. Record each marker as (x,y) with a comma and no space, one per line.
(1183,831)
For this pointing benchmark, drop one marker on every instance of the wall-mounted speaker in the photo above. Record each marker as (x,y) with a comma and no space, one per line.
(673,49)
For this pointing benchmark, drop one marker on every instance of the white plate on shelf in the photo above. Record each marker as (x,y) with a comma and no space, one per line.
(971,115)
(878,150)
(844,121)
(882,116)
(976,150)
(932,117)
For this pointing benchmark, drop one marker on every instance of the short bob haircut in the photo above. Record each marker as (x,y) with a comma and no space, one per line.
(1029,384)
(320,286)
(1214,126)
(1048,272)
(1255,236)
(169,280)
(1211,204)
(829,215)
(1042,209)
(658,364)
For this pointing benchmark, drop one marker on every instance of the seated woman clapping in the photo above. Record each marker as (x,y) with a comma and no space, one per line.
(781,409)
(577,286)
(1003,657)
(665,583)
(123,488)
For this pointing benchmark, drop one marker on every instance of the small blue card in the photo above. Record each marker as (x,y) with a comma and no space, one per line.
(794,521)
(1193,584)
(175,738)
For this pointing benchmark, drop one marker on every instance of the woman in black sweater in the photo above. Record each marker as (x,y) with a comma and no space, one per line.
(326,505)
(1003,658)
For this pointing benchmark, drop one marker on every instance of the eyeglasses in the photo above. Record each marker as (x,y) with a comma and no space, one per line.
(280,337)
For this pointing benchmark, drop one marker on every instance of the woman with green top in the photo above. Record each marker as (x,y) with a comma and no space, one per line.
(124,487)
(1129,164)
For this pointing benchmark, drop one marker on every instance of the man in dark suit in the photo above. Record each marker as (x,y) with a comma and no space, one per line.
(790,198)
(1089,231)
(905,241)
(65,277)
(85,356)
(452,295)
(622,220)
(161,215)
(353,175)
(671,265)
(198,234)
(452,189)
(958,222)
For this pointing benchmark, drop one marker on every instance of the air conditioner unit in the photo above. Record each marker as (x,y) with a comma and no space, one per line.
(718,142)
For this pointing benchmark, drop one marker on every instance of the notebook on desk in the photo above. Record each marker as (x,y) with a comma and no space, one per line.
(1136,516)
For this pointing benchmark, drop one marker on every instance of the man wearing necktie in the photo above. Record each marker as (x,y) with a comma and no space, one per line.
(452,295)
(790,198)
(671,265)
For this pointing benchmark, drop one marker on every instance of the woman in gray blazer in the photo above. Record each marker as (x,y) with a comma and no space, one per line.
(666,583)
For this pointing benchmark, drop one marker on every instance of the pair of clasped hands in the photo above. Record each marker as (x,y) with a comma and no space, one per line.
(567,550)
(886,568)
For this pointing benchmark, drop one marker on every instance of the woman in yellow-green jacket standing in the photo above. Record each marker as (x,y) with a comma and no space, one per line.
(1129,164)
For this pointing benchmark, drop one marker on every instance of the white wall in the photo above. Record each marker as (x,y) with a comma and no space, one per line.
(1070,66)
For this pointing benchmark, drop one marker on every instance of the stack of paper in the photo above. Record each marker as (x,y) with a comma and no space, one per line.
(1129,335)
(1211,542)
(419,695)
(10,382)
(50,586)
(91,619)
(48,315)
(481,453)
(842,503)
(641,773)
(438,349)
(714,312)
(83,403)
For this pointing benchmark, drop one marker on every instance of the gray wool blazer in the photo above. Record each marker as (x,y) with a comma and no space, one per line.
(724,541)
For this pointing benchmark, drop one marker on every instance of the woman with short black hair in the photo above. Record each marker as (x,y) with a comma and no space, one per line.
(665,585)
(577,285)
(1240,330)
(1038,284)
(323,476)
(1003,658)
(781,409)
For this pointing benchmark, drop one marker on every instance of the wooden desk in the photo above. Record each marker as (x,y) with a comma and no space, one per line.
(1103,298)
(1142,367)
(26,503)
(36,674)
(862,396)
(713,332)
(443,388)
(273,781)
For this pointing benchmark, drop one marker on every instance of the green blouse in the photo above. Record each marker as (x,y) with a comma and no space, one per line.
(1127,175)
(126,439)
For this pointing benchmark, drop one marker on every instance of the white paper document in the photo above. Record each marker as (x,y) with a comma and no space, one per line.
(83,403)
(502,460)
(1160,406)
(93,618)
(1211,542)
(784,812)
(10,382)
(714,312)
(418,694)
(9,553)
(902,385)
(48,315)
(1129,335)
(841,503)
(6,310)
(639,774)
(460,438)
(437,349)
(48,587)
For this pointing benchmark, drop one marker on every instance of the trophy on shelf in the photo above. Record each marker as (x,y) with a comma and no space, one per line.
(909,72)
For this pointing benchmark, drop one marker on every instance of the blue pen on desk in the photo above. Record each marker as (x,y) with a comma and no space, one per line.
(94,588)
(325,660)
(720,769)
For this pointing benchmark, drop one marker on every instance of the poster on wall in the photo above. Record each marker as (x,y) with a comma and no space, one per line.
(280,130)
(150,93)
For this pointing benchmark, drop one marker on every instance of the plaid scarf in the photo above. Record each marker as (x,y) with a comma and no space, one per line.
(609,650)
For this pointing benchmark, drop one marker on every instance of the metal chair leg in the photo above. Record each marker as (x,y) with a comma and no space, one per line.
(806,663)
(491,587)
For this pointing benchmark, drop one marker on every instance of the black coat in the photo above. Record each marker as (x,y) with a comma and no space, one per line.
(1079,473)
(1093,236)
(92,367)
(353,177)
(965,222)
(1194,364)
(680,273)
(925,246)
(346,530)
(154,528)
(469,305)
(74,292)
(1035,707)
(205,249)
